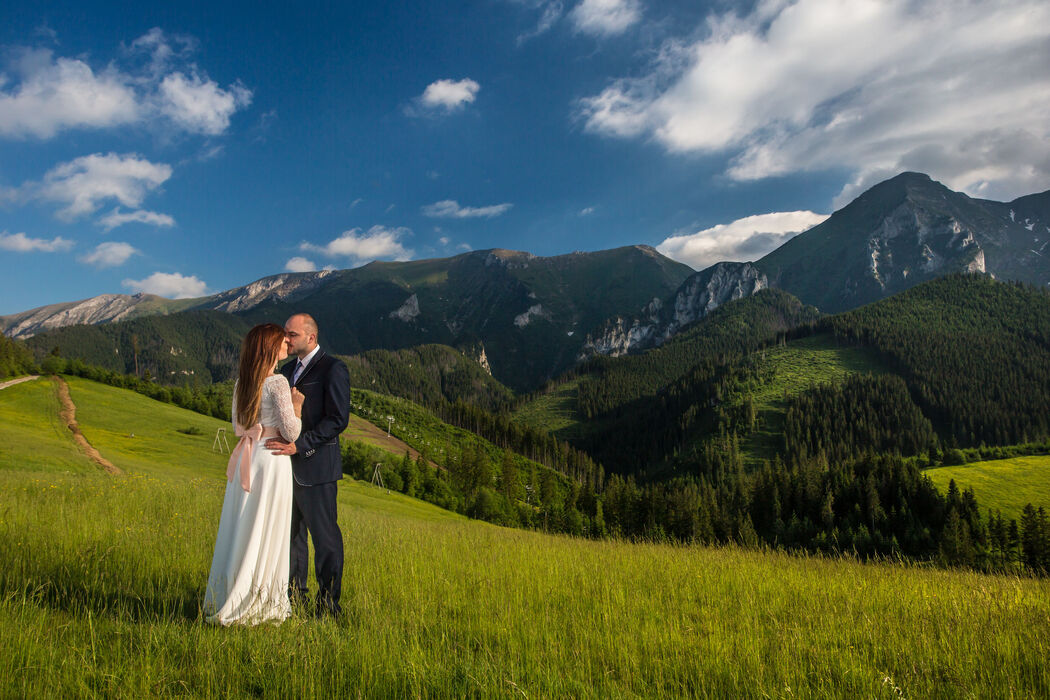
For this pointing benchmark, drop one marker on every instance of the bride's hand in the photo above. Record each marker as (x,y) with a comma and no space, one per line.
(297,400)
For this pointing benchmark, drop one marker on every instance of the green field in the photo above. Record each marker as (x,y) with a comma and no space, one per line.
(142,436)
(35,438)
(554,411)
(1005,485)
(787,370)
(101,579)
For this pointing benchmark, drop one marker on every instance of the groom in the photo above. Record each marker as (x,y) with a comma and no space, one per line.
(316,463)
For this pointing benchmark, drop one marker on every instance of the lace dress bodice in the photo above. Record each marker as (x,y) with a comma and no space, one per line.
(275,408)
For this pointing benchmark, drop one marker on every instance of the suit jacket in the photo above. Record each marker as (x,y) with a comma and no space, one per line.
(325,384)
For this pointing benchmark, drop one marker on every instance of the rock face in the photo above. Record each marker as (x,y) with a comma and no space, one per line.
(101,309)
(407,311)
(288,286)
(707,290)
(698,296)
(905,231)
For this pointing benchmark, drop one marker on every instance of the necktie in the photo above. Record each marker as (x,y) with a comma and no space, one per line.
(298,371)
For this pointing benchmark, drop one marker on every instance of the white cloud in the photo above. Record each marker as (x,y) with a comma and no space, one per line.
(444,240)
(550,13)
(450,209)
(118,218)
(449,95)
(742,240)
(52,95)
(42,94)
(605,17)
(586,211)
(163,49)
(378,243)
(199,104)
(84,183)
(109,254)
(300,264)
(959,90)
(21,243)
(172,285)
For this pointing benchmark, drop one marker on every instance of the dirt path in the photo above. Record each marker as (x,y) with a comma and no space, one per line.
(12,382)
(69,417)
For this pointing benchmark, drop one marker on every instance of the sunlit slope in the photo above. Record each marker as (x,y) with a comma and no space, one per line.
(35,438)
(1005,485)
(141,435)
(101,578)
(788,370)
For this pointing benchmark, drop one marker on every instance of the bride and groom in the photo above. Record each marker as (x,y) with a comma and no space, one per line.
(282,480)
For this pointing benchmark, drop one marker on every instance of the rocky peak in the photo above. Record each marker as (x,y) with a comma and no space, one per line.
(697,297)
(104,308)
(287,286)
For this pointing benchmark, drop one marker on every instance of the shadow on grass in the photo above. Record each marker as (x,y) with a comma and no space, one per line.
(181,604)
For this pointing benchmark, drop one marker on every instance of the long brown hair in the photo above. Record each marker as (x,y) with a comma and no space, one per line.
(259,352)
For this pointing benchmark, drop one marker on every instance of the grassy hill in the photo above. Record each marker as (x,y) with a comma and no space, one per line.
(37,439)
(101,579)
(787,370)
(1006,485)
(581,404)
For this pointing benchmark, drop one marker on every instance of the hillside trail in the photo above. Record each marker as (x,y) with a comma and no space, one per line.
(12,382)
(69,417)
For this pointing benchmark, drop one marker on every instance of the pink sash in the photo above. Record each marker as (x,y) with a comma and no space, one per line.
(241,457)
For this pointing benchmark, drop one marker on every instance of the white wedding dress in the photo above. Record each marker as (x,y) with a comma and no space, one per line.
(248,583)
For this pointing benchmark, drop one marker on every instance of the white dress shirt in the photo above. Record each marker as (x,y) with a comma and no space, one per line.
(304,363)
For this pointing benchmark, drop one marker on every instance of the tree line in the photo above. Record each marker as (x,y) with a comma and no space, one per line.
(15,358)
(974,352)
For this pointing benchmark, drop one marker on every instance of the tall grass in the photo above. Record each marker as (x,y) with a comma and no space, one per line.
(1005,485)
(101,579)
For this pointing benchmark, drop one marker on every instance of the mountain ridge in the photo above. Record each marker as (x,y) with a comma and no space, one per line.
(905,231)
(535,317)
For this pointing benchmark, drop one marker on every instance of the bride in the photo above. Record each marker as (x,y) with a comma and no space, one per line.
(248,583)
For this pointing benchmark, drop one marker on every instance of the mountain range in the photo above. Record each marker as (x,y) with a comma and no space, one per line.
(530,318)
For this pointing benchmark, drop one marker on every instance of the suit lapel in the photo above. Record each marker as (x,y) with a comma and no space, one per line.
(309,368)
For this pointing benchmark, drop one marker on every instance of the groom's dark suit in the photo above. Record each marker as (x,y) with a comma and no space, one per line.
(317,467)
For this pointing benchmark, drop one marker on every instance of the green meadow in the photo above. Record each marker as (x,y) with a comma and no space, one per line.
(553,411)
(35,437)
(787,370)
(1005,485)
(101,579)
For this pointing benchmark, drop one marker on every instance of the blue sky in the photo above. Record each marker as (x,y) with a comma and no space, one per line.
(183,149)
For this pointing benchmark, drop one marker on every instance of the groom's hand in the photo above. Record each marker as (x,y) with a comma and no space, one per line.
(279,446)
